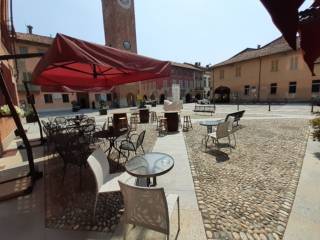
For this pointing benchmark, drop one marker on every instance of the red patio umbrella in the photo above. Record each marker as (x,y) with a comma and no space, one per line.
(71,64)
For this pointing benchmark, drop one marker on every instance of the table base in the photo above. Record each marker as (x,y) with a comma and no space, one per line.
(146,182)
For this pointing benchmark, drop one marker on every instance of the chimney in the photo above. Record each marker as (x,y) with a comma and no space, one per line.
(29,27)
(258,46)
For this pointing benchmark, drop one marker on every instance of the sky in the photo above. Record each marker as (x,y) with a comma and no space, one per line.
(206,31)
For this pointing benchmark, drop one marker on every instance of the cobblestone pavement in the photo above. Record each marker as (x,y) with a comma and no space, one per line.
(248,193)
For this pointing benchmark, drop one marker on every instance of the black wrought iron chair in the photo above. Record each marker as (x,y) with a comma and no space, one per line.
(71,150)
(61,121)
(132,146)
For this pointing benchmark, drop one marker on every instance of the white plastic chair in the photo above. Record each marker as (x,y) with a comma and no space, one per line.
(230,121)
(105,181)
(222,131)
(149,208)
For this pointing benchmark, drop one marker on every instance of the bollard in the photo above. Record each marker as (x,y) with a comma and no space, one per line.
(269,107)
(312,106)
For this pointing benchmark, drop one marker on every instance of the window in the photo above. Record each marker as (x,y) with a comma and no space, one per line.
(23,50)
(315,86)
(246,89)
(273,88)
(221,74)
(26,76)
(294,63)
(238,71)
(48,98)
(292,87)
(65,98)
(274,65)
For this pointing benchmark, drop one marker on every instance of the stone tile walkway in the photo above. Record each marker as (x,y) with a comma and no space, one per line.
(178,181)
(304,221)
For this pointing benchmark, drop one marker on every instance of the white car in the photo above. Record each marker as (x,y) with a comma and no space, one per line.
(203,101)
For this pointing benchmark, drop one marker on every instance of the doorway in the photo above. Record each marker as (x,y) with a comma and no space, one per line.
(83,100)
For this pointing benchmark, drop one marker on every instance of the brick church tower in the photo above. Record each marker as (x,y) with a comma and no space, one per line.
(119,24)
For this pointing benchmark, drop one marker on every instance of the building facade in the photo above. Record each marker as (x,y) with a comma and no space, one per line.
(7,124)
(187,76)
(119,24)
(273,72)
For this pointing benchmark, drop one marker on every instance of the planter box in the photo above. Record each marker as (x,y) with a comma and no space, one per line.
(7,125)
(103,111)
(75,108)
(31,118)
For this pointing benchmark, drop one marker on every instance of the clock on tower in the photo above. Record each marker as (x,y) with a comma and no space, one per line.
(119,24)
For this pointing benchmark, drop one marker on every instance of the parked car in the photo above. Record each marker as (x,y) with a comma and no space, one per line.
(203,101)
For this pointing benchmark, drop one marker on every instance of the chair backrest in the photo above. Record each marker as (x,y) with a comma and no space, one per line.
(90,121)
(60,120)
(140,138)
(146,207)
(230,123)
(99,165)
(222,130)
(104,126)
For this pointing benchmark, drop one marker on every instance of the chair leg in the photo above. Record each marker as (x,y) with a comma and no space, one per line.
(95,206)
(235,141)
(207,140)
(229,143)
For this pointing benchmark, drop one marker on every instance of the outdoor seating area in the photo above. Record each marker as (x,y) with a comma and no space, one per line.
(97,169)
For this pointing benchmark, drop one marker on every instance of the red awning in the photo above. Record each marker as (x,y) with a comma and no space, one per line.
(71,64)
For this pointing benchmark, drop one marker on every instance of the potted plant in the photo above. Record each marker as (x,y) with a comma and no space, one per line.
(5,111)
(103,110)
(75,106)
(30,116)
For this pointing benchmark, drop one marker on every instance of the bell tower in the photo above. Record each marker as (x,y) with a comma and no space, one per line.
(119,24)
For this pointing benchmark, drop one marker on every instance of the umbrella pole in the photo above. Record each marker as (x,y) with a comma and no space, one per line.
(30,99)
(34,174)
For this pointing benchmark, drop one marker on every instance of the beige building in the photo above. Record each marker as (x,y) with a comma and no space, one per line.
(273,72)
(7,124)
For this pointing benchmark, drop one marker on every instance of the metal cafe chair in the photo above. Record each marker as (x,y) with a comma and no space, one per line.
(149,208)
(105,181)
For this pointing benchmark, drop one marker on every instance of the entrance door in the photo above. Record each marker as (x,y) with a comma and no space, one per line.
(131,100)
(83,100)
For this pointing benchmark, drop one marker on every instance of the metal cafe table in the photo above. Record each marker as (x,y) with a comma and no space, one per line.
(150,165)
(111,135)
(210,124)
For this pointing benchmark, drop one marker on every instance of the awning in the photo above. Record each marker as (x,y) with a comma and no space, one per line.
(71,64)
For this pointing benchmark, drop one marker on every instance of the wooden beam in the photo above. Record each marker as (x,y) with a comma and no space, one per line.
(20,56)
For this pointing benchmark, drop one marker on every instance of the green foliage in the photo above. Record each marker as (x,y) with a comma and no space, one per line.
(316,128)
(29,111)
(5,111)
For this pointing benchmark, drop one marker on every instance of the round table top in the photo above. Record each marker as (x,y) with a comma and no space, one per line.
(210,122)
(150,164)
(108,134)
